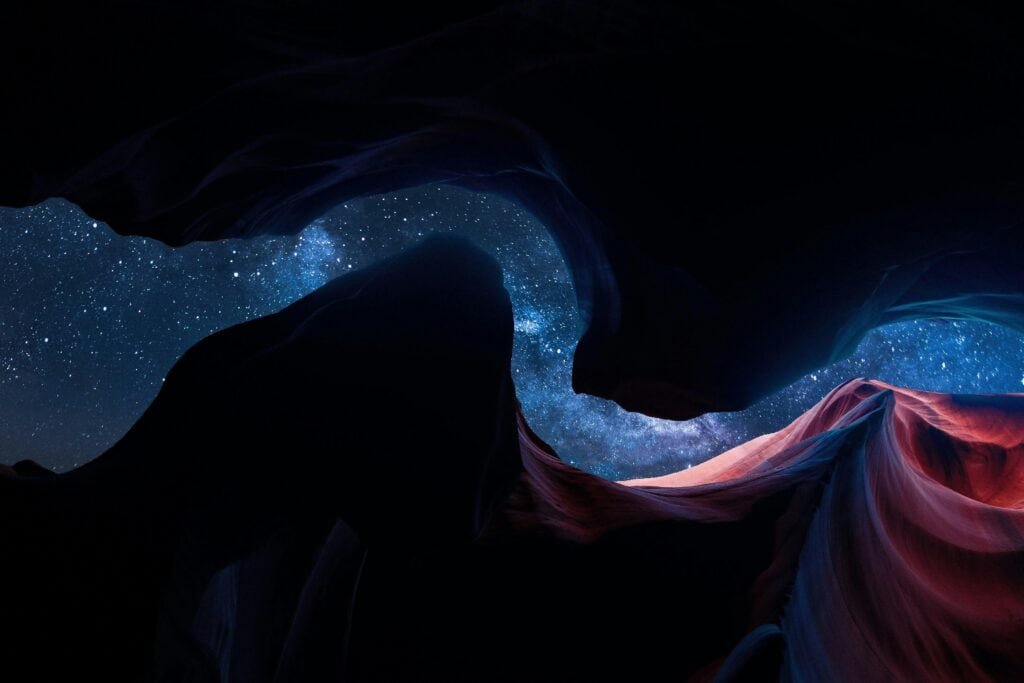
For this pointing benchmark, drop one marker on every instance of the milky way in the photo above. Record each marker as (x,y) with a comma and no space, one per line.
(91,322)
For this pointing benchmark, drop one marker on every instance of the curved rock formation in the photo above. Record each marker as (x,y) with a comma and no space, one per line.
(306,500)
(904,564)
(870,157)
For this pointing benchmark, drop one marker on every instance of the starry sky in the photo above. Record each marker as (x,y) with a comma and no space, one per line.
(91,322)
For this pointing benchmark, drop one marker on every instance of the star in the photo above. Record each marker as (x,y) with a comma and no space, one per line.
(65,403)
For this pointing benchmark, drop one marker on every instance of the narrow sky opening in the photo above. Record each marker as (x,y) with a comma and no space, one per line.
(91,322)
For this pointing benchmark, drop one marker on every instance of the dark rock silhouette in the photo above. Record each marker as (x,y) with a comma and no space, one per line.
(870,158)
(269,433)
(345,491)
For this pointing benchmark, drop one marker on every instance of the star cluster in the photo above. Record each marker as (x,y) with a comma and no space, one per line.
(91,322)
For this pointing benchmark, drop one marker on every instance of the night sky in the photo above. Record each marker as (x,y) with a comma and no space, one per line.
(91,323)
